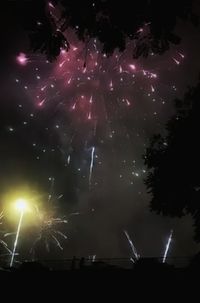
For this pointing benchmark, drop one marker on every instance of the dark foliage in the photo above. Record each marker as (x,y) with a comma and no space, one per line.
(112,22)
(174,163)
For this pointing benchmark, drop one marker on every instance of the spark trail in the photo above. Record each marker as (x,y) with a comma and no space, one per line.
(17,237)
(167,246)
(136,255)
(91,165)
(2,242)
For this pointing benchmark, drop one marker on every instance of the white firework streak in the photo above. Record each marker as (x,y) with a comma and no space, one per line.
(5,245)
(60,233)
(57,221)
(167,246)
(16,238)
(59,197)
(9,234)
(2,242)
(68,159)
(91,165)
(57,242)
(132,246)
(132,260)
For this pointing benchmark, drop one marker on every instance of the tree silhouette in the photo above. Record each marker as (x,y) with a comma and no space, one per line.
(174,163)
(150,23)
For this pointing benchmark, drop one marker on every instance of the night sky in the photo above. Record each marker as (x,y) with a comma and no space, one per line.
(74,131)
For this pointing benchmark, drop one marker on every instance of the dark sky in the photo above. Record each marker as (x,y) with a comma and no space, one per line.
(55,116)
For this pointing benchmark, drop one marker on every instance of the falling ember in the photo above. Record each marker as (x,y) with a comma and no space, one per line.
(63,51)
(61,64)
(120,69)
(140,30)
(91,100)
(167,246)
(152,75)
(89,116)
(176,61)
(51,5)
(132,260)
(182,56)
(74,106)
(132,66)
(69,81)
(91,165)
(111,85)
(22,59)
(152,89)
(127,102)
(43,88)
(41,103)
(68,159)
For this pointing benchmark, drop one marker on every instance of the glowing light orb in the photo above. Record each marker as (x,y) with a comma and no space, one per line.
(22,59)
(21,204)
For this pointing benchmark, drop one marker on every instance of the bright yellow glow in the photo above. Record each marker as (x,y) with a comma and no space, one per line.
(22,200)
(21,204)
